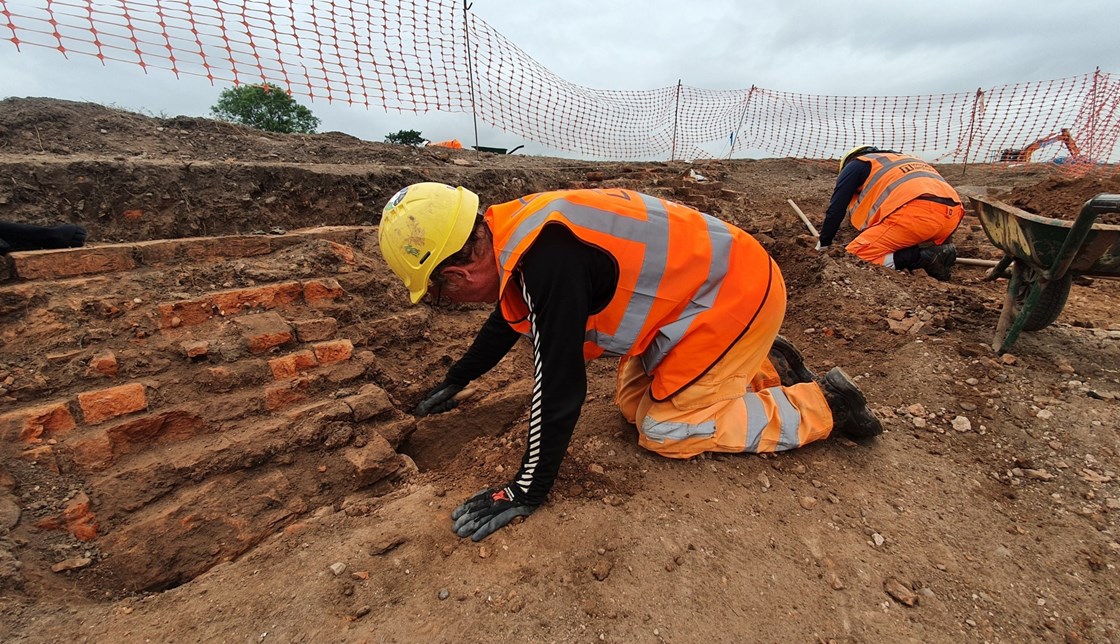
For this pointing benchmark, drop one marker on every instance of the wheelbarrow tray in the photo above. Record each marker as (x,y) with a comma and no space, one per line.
(1037,240)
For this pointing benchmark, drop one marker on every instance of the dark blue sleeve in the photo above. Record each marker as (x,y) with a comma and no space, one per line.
(851,178)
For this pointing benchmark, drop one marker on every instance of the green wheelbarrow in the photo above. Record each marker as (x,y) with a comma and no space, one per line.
(1044,254)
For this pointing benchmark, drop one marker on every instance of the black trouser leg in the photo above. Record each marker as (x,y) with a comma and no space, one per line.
(908,259)
(29,237)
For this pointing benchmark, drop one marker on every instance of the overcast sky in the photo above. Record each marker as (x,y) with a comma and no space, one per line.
(830,48)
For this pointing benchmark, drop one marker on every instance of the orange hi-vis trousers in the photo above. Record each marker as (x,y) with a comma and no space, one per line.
(916,222)
(739,405)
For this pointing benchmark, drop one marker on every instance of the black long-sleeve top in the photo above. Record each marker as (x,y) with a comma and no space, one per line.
(563,281)
(848,183)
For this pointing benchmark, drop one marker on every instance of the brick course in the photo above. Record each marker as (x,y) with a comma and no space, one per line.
(99,406)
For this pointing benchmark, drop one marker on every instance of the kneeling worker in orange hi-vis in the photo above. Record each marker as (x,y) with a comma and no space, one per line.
(692,306)
(905,211)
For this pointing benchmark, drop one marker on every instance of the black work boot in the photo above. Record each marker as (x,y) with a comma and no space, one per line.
(850,414)
(788,363)
(938,261)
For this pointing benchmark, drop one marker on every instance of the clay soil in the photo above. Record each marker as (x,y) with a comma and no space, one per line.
(989,509)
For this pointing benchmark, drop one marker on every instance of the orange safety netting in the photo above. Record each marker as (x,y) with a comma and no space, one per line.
(416,56)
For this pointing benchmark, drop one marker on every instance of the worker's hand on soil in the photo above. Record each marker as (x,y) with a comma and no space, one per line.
(486,512)
(438,400)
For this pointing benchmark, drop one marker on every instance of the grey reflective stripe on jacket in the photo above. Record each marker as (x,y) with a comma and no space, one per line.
(878,176)
(789,419)
(653,234)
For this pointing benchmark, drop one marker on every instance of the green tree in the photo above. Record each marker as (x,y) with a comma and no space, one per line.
(265,107)
(405,137)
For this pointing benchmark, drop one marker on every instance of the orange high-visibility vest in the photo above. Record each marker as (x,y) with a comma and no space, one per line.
(895,180)
(689,284)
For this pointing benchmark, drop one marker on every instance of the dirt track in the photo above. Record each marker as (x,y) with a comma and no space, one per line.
(1004,530)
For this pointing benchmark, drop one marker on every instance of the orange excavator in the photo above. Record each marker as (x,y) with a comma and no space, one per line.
(1024,155)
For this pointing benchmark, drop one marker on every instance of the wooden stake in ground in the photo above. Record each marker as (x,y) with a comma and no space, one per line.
(808,224)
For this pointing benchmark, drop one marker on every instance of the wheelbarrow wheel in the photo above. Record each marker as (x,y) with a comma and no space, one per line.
(1050,302)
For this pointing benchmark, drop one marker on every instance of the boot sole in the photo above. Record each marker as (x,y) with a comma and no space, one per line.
(793,359)
(865,423)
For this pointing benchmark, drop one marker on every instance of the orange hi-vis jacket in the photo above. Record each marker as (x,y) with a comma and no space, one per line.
(895,180)
(689,285)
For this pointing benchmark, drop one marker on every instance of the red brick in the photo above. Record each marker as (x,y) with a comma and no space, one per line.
(346,235)
(71,262)
(168,250)
(290,365)
(285,394)
(345,253)
(187,312)
(92,453)
(322,291)
(135,435)
(262,297)
(264,331)
(133,214)
(195,348)
(79,519)
(102,364)
(333,351)
(31,423)
(370,401)
(371,463)
(99,406)
(235,302)
(316,329)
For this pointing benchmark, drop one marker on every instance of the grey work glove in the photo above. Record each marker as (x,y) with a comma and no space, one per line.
(438,400)
(484,513)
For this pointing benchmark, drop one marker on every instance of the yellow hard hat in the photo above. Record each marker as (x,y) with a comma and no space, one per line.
(421,226)
(855,152)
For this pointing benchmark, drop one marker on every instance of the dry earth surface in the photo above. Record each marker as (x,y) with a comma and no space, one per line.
(256,474)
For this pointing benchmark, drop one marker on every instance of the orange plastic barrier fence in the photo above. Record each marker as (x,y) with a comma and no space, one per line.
(419,56)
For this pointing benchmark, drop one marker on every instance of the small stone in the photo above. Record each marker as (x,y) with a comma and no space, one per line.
(1044,414)
(1037,475)
(764,480)
(900,592)
(917,409)
(919,422)
(337,568)
(972,382)
(362,612)
(595,468)
(1008,359)
(967,406)
(807,502)
(444,594)
(878,539)
(962,424)
(602,569)
(483,552)
(74,563)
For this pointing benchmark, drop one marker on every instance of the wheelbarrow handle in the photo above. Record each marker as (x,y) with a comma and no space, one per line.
(1102,203)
